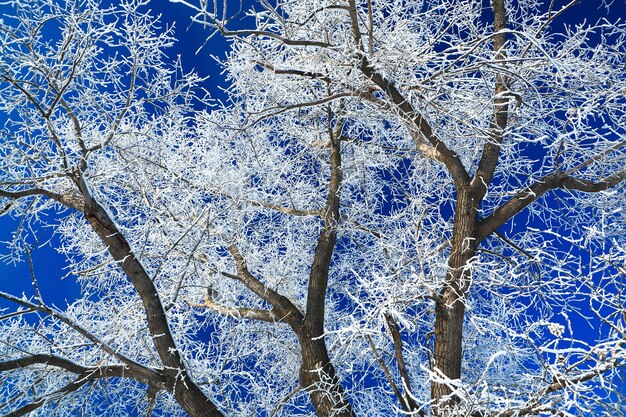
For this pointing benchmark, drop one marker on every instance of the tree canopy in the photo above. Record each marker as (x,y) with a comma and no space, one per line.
(401,208)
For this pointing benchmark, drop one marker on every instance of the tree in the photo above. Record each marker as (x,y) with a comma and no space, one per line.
(404,208)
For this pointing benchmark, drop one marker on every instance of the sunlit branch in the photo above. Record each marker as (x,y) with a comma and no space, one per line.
(437,148)
(237,312)
(284,209)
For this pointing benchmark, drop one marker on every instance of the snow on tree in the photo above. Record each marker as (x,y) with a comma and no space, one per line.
(404,208)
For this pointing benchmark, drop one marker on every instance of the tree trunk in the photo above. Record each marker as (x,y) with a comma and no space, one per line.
(450,305)
(448,344)
(195,403)
(318,377)
(317,373)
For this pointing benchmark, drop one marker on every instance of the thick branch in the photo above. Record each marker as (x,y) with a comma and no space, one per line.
(318,277)
(443,154)
(51,360)
(354,25)
(589,186)
(491,150)
(440,150)
(109,371)
(317,373)
(119,248)
(516,204)
(191,398)
(282,306)
(69,200)
(524,198)
(285,209)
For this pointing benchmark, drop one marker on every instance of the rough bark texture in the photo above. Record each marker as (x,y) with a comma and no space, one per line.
(450,306)
(319,378)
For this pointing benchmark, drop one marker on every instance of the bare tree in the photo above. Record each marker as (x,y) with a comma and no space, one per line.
(405,208)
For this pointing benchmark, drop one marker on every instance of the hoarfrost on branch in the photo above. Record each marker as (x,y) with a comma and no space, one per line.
(402,208)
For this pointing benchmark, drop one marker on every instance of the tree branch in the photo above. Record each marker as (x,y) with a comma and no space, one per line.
(442,153)
(525,197)
(404,374)
(86,334)
(282,306)
(120,250)
(68,199)
(516,204)
(30,407)
(588,186)
(237,312)
(497,126)
(387,373)
(271,35)
(318,276)
(145,375)
(192,399)
(557,386)
(291,71)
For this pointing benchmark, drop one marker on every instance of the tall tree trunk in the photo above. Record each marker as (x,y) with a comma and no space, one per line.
(450,305)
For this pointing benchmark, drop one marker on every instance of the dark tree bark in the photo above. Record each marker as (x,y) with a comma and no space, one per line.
(187,393)
(317,373)
(450,305)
